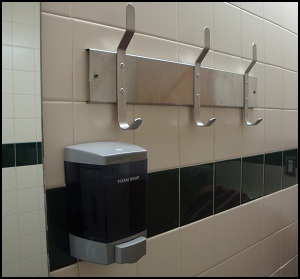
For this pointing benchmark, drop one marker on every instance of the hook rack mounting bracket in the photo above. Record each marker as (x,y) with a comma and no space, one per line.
(160,82)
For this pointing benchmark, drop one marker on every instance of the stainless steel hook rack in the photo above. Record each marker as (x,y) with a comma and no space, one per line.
(117,77)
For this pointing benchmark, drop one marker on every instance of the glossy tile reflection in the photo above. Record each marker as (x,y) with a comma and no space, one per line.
(58,237)
(227,189)
(162,201)
(273,172)
(252,178)
(196,193)
(290,168)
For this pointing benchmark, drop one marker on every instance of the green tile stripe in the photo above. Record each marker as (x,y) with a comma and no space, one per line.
(8,155)
(21,154)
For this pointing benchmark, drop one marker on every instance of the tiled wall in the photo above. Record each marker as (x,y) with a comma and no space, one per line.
(257,234)
(24,244)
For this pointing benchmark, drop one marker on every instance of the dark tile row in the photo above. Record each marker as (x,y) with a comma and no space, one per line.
(21,154)
(208,189)
(180,196)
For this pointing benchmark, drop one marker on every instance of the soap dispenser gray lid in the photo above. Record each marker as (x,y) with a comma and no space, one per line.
(104,153)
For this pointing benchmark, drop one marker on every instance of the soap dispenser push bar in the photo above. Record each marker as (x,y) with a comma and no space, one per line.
(117,77)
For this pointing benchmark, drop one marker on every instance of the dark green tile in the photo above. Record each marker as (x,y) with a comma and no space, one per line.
(162,201)
(8,155)
(252,178)
(39,152)
(273,172)
(290,168)
(227,189)
(58,236)
(26,154)
(196,193)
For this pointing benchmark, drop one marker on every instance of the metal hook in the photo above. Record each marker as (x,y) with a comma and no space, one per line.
(197,87)
(246,88)
(121,72)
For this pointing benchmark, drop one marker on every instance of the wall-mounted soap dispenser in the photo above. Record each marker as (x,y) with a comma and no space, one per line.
(106,186)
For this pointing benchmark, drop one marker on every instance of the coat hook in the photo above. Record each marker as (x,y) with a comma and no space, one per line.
(246,88)
(121,71)
(197,85)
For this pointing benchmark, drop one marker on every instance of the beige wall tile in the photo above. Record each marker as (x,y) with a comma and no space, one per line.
(228,234)
(58,133)
(290,269)
(227,28)
(252,32)
(289,205)
(112,270)
(290,50)
(208,273)
(273,12)
(107,13)
(289,243)
(256,8)
(252,222)
(290,85)
(251,261)
(228,133)
(99,122)
(276,273)
(272,213)
(152,47)
(271,254)
(273,87)
(290,16)
(68,271)
(229,268)
(273,37)
(57,8)
(196,143)
(273,130)
(150,17)
(57,58)
(163,256)
(290,131)
(228,63)
(196,253)
(158,134)
(192,18)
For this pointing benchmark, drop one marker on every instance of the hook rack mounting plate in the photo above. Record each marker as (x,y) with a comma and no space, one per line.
(160,82)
